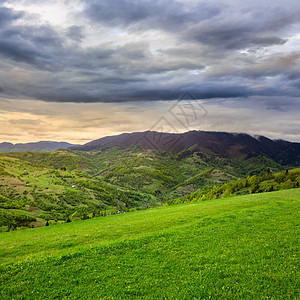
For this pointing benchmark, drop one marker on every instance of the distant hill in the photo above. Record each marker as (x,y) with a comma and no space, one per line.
(233,145)
(43,146)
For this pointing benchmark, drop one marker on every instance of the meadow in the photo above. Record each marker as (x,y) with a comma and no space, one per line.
(242,247)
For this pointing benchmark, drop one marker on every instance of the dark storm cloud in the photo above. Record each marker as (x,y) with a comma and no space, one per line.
(116,92)
(118,63)
(200,92)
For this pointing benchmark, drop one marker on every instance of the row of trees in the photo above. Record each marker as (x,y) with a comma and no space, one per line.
(11,221)
(264,182)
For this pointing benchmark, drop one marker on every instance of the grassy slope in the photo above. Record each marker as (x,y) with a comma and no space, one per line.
(240,247)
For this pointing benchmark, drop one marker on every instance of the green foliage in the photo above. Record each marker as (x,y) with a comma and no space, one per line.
(265,182)
(3,172)
(11,221)
(60,159)
(52,186)
(199,177)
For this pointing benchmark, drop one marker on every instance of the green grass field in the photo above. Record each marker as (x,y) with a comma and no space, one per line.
(242,247)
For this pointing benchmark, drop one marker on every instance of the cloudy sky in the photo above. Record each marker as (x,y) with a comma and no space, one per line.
(74,70)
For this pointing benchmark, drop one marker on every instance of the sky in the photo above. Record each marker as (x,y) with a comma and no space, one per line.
(75,71)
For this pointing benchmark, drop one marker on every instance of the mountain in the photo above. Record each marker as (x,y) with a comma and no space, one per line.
(127,172)
(43,146)
(233,145)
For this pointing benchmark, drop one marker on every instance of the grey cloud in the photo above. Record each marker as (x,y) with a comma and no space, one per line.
(297,83)
(7,15)
(42,46)
(121,93)
(206,39)
(166,15)
(245,30)
(210,24)
(276,65)
(117,12)
(20,53)
(11,45)
(134,59)
(118,80)
(75,33)
(34,45)
(268,40)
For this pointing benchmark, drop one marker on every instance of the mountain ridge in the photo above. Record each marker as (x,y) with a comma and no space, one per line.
(41,146)
(233,145)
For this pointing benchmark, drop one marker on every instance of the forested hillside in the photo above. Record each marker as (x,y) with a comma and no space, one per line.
(68,185)
(264,182)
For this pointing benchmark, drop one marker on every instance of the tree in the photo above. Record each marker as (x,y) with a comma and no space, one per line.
(227,193)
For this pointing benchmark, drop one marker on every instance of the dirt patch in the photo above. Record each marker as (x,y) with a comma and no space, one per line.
(105,172)
(32,208)
(82,166)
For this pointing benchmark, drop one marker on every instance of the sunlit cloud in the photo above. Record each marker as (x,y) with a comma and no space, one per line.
(25,121)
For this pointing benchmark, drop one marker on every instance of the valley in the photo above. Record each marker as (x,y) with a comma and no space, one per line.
(70,185)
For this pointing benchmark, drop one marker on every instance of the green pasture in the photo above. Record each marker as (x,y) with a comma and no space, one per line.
(244,247)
